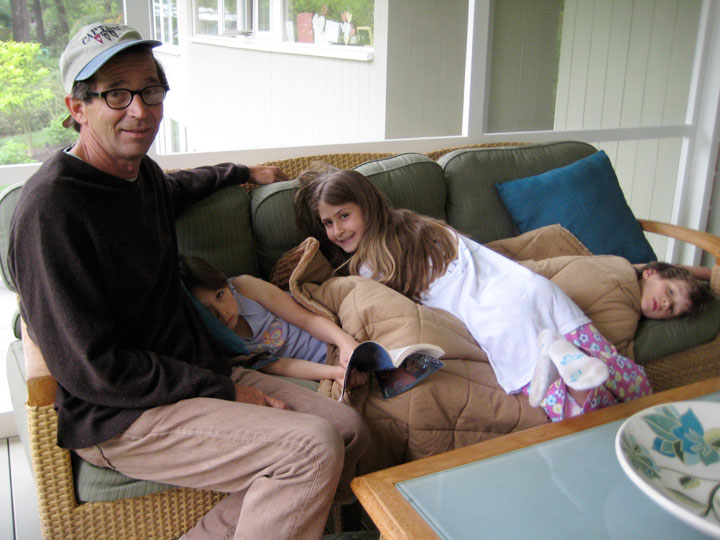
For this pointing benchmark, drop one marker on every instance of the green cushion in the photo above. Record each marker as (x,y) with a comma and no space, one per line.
(473,205)
(8,200)
(98,484)
(584,197)
(273,220)
(219,230)
(410,181)
(656,338)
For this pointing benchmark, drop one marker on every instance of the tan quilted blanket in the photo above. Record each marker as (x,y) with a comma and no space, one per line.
(462,403)
(456,406)
(605,287)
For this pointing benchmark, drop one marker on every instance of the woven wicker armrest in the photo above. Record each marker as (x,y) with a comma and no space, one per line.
(704,240)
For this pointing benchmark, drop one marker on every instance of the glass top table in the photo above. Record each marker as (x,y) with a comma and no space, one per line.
(567,483)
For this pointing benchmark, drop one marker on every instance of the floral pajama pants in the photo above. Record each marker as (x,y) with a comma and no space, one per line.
(627,379)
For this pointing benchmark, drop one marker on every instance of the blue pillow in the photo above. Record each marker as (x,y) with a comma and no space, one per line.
(585,198)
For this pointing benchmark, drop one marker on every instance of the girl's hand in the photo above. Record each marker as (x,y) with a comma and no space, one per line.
(345,350)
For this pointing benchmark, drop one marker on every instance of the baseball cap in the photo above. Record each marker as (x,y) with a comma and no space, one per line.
(93,46)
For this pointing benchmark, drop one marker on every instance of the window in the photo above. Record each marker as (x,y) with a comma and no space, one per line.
(338,22)
(233,18)
(165,21)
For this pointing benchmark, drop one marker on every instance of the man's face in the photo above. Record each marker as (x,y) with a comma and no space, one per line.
(114,138)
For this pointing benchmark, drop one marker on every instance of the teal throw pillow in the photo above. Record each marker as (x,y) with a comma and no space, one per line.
(585,198)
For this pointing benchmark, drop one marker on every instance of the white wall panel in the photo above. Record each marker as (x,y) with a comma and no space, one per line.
(425,67)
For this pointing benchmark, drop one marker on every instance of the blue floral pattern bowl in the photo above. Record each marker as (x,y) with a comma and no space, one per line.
(672,453)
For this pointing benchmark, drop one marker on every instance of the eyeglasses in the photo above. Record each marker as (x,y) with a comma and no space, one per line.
(121,98)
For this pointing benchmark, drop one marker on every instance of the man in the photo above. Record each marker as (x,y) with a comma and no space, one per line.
(141,387)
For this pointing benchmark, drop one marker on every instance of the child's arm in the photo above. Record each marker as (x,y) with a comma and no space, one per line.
(304,369)
(312,371)
(284,306)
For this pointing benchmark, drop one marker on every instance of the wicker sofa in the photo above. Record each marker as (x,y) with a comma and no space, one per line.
(247,231)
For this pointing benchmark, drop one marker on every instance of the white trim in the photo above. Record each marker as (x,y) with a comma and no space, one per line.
(697,159)
(8,427)
(350,52)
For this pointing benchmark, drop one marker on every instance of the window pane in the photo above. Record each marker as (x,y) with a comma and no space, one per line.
(230,18)
(207,17)
(263,15)
(337,22)
(165,21)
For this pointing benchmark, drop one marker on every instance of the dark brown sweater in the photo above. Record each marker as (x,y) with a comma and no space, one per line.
(94,258)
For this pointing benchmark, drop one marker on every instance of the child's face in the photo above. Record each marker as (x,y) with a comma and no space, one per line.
(344,224)
(662,298)
(221,303)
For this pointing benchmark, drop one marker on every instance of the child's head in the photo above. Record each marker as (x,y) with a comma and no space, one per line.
(209,285)
(669,291)
(355,224)
(340,205)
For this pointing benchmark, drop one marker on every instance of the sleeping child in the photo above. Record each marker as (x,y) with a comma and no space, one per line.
(615,295)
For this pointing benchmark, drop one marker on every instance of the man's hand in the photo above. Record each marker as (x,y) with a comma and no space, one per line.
(261,174)
(253,396)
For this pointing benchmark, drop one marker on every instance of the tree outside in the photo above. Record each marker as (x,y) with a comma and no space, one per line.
(33,34)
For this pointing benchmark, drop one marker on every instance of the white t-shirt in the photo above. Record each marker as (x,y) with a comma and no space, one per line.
(504,306)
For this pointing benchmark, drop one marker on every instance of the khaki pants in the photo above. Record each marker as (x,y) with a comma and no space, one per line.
(280,467)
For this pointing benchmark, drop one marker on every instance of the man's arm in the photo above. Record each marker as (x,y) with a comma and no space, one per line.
(191,185)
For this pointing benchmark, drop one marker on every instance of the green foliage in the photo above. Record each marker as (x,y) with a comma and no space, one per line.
(25,88)
(12,152)
(54,134)
(362,10)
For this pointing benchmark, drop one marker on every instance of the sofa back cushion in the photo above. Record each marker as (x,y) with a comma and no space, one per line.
(218,229)
(409,180)
(473,204)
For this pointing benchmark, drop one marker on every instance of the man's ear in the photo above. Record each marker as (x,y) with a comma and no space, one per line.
(76,108)
(648,272)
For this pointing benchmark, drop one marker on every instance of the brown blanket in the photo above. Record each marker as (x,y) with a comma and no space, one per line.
(462,403)
(456,406)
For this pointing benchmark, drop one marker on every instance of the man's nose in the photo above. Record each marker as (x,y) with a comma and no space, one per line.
(137,106)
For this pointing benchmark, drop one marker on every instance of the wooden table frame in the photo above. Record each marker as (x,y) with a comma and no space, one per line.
(397,519)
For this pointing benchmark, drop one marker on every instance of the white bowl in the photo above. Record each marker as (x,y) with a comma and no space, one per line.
(672,453)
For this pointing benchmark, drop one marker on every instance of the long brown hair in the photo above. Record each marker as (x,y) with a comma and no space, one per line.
(404,250)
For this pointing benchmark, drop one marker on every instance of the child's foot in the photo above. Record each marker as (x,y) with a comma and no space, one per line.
(578,370)
(545,372)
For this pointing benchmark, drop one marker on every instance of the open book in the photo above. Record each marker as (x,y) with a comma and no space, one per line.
(396,370)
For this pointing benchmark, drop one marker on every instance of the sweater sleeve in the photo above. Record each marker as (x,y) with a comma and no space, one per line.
(191,185)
